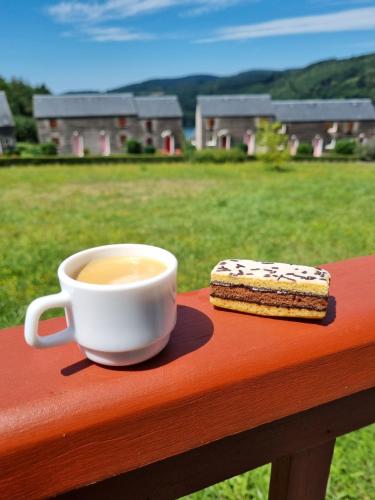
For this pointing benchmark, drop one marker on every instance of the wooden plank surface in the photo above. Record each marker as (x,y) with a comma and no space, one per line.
(193,470)
(65,418)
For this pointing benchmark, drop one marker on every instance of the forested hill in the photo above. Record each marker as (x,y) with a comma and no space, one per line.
(334,78)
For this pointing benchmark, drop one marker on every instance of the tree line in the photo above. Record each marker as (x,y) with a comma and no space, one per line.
(20,98)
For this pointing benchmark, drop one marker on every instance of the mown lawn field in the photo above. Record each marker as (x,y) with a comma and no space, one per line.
(308,213)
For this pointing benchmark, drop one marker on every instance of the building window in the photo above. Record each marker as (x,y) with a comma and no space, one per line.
(123,139)
(149,141)
(56,141)
(328,126)
(348,128)
(210,123)
(225,142)
(122,122)
(148,126)
(53,123)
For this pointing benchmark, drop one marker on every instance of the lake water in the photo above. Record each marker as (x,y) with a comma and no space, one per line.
(189,133)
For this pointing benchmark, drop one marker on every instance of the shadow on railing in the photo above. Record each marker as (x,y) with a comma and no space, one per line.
(180,344)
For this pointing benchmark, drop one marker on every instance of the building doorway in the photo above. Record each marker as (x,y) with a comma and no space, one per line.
(249,140)
(224,140)
(104,143)
(168,142)
(317,146)
(77,144)
(293,145)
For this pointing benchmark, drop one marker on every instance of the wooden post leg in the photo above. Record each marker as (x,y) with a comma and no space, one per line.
(303,475)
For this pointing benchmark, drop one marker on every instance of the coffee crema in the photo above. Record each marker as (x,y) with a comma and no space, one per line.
(120,269)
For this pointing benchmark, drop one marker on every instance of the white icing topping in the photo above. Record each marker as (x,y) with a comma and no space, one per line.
(271,271)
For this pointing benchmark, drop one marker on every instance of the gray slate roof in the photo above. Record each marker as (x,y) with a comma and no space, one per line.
(84,105)
(95,105)
(235,105)
(6,118)
(317,110)
(158,107)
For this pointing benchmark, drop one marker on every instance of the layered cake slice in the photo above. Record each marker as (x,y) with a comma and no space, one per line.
(270,288)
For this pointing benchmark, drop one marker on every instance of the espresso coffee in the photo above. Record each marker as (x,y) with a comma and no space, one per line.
(121,269)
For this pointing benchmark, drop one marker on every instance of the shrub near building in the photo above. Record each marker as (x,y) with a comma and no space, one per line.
(48,149)
(149,150)
(345,147)
(366,151)
(305,149)
(133,147)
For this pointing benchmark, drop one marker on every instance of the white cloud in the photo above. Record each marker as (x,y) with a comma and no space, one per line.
(207,6)
(347,20)
(75,11)
(333,3)
(115,34)
(87,17)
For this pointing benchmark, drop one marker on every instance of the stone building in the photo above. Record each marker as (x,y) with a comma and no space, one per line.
(160,121)
(101,124)
(321,122)
(7,129)
(224,120)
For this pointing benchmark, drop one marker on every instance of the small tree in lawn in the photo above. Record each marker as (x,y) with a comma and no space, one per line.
(272,144)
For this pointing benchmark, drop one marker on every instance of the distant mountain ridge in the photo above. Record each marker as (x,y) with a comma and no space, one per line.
(333,78)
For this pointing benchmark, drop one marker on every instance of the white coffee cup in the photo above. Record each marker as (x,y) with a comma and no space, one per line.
(115,325)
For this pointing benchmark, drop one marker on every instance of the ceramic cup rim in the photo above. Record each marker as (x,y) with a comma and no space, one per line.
(169,259)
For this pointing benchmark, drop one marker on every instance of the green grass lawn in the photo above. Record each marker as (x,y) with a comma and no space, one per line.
(308,214)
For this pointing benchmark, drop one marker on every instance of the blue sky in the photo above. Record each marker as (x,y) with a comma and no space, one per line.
(101,44)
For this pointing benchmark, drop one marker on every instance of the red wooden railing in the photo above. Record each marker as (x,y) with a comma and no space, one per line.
(229,393)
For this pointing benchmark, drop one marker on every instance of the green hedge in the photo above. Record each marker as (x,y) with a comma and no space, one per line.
(218,155)
(7,161)
(204,156)
(345,147)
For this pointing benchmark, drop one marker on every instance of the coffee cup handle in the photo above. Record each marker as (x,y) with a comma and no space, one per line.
(33,314)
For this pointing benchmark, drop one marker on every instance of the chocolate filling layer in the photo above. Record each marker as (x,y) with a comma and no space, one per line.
(263,289)
(270,298)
